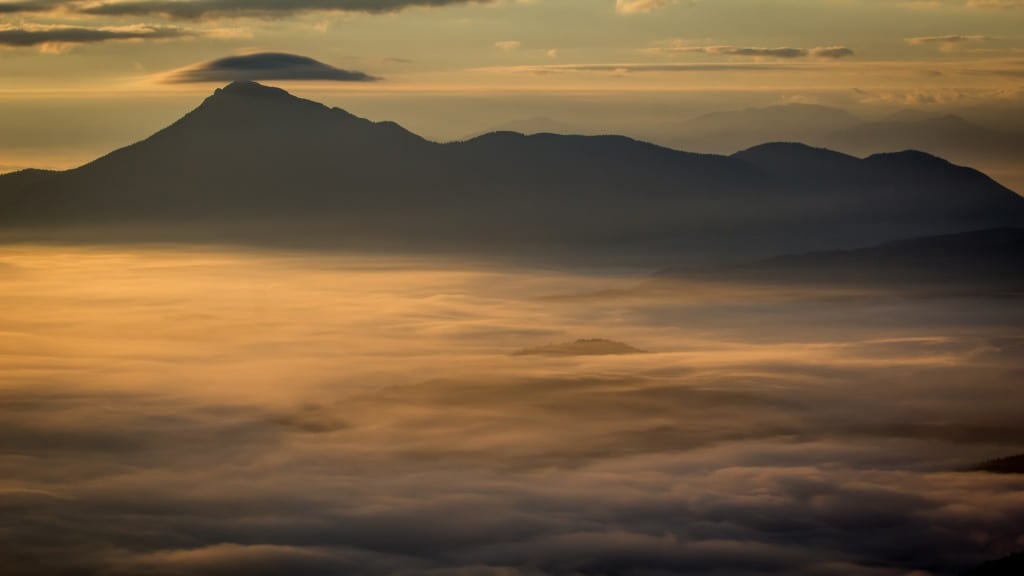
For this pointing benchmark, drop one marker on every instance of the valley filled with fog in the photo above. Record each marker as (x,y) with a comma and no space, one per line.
(196,410)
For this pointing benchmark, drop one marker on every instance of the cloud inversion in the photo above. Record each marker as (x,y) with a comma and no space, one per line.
(391,432)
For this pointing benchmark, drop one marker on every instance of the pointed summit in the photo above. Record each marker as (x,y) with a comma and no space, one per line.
(250,88)
(250,106)
(253,93)
(244,114)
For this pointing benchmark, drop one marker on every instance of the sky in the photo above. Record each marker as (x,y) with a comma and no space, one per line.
(81,77)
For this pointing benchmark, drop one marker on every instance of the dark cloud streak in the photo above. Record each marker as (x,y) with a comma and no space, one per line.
(266,66)
(787,53)
(642,68)
(29,6)
(26,36)
(834,52)
(197,9)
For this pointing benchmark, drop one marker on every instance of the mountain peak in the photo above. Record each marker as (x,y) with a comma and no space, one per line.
(249,101)
(792,147)
(256,163)
(249,115)
(793,151)
(909,157)
(250,88)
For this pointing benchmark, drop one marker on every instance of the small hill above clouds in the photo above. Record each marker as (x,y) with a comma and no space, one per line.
(255,164)
(1007,465)
(531,126)
(585,347)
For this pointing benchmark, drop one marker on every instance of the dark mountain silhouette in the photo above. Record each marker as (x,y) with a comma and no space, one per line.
(531,126)
(998,152)
(989,259)
(255,164)
(1007,465)
(1009,566)
(23,177)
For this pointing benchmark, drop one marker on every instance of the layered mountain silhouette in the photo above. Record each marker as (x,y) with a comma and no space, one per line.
(999,152)
(254,163)
(990,260)
(730,130)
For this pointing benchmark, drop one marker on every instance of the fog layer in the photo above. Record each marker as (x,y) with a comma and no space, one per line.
(176,411)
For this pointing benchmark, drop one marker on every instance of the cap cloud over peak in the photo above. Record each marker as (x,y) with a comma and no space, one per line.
(265,66)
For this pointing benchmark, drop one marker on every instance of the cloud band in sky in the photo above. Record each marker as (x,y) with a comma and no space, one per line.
(832,52)
(27,6)
(638,6)
(196,9)
(947,39)
(37,35)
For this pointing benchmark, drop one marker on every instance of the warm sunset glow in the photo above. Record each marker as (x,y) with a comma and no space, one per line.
(192,379)
(511,287)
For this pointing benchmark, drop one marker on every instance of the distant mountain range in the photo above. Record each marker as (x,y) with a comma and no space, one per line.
(1000,152)
(256,164)
(732,130)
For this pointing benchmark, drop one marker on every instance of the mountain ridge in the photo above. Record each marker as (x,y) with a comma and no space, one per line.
(255,163)
(997,150)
